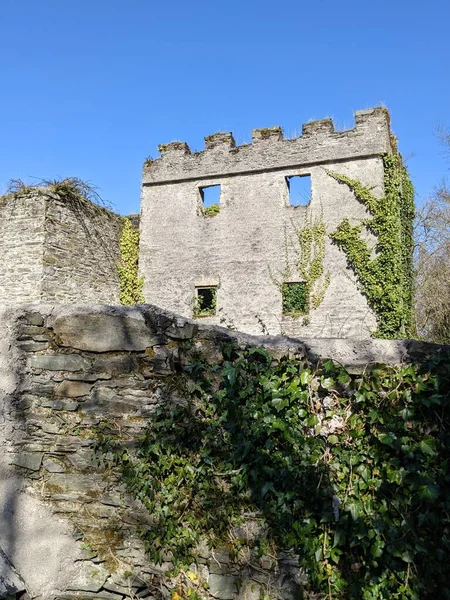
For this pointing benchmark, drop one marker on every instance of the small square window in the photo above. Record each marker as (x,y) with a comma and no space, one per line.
(205,301)
(210,196)
(299,187)
(295,298)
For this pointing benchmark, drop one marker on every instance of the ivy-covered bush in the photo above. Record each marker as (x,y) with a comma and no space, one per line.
(350,472)
(386,279)
(131,283)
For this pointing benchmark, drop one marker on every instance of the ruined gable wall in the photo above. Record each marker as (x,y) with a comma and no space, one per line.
(238,248)
(53,251)
(81,253)
(21,247)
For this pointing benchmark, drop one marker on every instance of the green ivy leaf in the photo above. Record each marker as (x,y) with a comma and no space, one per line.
(428,445)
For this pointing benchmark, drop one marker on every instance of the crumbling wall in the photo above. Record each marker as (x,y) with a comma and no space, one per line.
(21,248)
(242,250)
(58,251)
(81,253)
(66,369)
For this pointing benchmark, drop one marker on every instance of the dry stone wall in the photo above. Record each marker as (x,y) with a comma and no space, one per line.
(57,251)
(245,249)
(63,371)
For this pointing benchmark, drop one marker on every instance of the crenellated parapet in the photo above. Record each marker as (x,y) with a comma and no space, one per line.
(318,144)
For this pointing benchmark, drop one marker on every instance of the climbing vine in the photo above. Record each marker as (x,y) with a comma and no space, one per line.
(349,472)
(386,279)
(308,248)
(130,282)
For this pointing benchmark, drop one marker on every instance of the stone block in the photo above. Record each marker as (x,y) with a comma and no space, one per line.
(222,587)
(59,362)
(60,404)
(53,465)
(106,401)
(76,482)
(250,590)
(32,346)
(104,332)
(73,389)
(30,461)
(34,318)
(115,364)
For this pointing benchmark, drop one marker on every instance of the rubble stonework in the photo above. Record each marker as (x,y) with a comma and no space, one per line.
(242,251)
(53,251)
(63,370)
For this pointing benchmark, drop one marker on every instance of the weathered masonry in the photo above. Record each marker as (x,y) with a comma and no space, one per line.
(56,251)
(69,528)
(257,258)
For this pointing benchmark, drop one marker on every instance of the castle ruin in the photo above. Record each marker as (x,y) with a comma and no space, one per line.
(242,262)
(257,259)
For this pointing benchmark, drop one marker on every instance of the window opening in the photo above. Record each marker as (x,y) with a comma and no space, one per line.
(210,196)
(295,298)
(299,187)
(205,301)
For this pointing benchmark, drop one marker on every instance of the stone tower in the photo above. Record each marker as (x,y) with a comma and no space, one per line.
(245,261)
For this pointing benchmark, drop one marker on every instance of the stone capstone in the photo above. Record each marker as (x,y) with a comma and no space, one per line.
(104,333)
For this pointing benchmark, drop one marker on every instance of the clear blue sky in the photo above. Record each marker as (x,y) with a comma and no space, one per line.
(90,87)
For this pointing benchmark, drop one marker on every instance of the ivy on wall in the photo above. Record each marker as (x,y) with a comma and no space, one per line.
(348,471)
(386,279)
(130,282)
(308,250)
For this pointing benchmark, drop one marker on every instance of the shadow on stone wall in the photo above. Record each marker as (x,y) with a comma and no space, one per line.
(81,367)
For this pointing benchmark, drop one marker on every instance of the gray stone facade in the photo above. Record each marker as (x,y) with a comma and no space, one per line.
(52,250)
(248,249)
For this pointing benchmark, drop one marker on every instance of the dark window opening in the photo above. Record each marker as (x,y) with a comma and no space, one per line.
(205,301)
(295,298)
(299,187)
(210,196)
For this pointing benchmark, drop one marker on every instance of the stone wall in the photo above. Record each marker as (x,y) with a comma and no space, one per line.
(81,253)
(244,250)
(21,248)
(62,371)
(57,251)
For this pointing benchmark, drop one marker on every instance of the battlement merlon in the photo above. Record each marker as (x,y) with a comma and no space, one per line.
(318,144)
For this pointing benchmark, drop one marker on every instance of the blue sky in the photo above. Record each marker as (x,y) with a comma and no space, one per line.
(89,88)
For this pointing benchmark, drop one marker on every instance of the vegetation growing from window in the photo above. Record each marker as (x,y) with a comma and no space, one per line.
(304,258)
(350,472)
(205,302)
(386,279)
(210,211)
(295,298)
(131,283)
